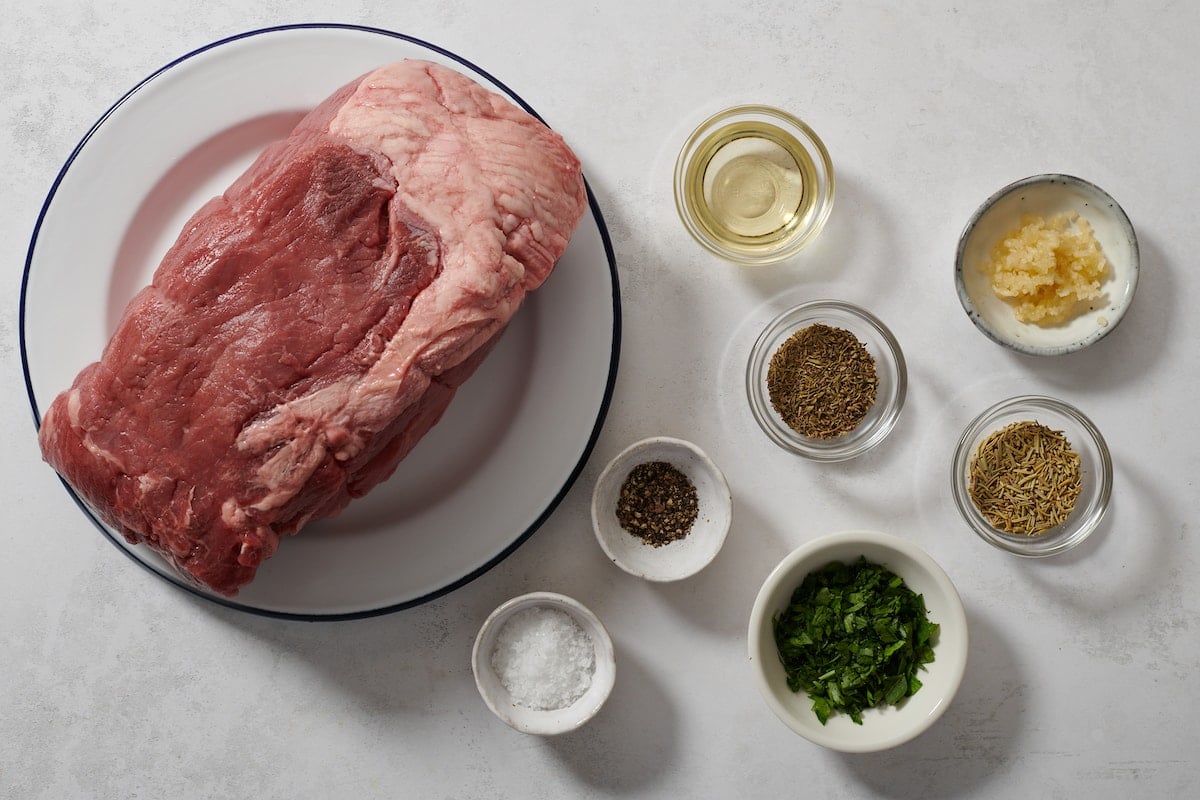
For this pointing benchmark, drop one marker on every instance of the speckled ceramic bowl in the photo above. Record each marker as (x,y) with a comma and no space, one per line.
(1045,196)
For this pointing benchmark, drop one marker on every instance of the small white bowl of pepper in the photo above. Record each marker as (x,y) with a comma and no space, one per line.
(661,509)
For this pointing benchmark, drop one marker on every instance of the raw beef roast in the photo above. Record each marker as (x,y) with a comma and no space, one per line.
(311,324)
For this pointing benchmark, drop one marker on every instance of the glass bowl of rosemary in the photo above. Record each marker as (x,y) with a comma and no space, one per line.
(826,380)
(1032,475)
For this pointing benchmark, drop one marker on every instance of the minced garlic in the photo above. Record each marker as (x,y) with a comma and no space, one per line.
(1047,268)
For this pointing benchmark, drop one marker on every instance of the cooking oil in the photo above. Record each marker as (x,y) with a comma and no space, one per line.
(752,186)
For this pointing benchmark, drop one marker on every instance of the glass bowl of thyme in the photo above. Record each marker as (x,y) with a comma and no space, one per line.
(1032,475)
(858,641)
(826,380)
(661,509)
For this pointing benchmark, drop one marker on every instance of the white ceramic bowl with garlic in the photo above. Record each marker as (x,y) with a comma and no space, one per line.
(1046,196)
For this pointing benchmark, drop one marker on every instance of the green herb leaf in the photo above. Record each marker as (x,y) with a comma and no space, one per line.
(822,709)
(853,637)
(897,691)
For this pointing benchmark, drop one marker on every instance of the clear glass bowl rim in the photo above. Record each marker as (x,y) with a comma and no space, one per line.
(854,443)
(795,126)
(1054,541)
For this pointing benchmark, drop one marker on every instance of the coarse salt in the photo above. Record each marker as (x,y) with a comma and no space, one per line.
(543,658)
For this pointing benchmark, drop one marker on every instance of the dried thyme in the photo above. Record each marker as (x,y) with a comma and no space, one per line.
(657,503)
(822,381)
(1025,478)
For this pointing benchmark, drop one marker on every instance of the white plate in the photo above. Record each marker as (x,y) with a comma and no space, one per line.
(510,445)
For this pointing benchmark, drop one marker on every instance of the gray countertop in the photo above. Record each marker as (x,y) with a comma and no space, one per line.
(1080,680)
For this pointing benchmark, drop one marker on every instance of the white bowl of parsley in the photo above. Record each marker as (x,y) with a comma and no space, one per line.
(858,641)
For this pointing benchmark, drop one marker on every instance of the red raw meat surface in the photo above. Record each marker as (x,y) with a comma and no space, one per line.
(311,324)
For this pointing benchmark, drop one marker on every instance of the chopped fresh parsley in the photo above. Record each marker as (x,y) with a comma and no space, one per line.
(853,637)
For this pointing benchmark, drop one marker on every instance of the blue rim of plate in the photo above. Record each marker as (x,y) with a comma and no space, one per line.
(470,576)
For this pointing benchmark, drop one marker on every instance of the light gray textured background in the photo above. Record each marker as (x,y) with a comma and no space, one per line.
(1082,673)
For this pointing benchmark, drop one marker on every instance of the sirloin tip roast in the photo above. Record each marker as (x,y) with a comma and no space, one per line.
(311,324)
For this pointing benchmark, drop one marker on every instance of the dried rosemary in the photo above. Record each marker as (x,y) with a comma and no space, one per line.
(1025,478)
(822,381)
(657,503)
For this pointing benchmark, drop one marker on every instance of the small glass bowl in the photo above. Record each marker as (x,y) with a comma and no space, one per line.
(889,365)
(1085,439)
(756,142)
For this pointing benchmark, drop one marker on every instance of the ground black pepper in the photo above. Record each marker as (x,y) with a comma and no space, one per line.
(657,503)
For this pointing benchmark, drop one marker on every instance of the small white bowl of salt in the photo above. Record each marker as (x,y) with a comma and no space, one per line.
(543,663)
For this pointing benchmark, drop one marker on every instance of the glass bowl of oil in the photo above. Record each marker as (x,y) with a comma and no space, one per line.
(754,185)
